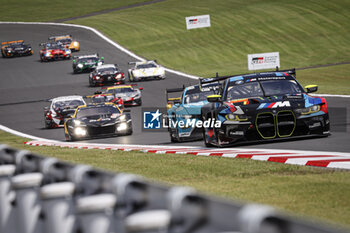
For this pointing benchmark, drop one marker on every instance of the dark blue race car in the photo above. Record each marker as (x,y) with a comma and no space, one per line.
(263,106)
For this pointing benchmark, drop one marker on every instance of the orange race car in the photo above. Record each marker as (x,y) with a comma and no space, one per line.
(15,48)
(68,41)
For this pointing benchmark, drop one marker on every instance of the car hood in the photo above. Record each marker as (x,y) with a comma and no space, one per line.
(100,120)
(191,108)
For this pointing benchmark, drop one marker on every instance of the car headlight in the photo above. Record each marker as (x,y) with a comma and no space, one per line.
(80,131)
(75,43)
(236,117)
(68,51)
(97,77)
(118,76)
(53,114)
(47,54)
(80,66)
(309,110)
(122,126)
(122,118)
(77,123)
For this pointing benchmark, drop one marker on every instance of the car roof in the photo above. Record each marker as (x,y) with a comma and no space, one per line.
(106,66)
(88,56)
(69,97)
(119,87)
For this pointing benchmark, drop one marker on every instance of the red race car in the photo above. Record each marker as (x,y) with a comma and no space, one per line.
(54,51)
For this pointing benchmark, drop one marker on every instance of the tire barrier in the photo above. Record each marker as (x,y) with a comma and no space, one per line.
(40,194)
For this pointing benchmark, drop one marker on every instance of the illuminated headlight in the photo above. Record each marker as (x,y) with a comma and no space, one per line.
(97,77)
(309,110)
(53,114)
(80,131)
(68,51)
(118,76)
(80,66)
(122,126)
(47,54)
(29,48)
(236,117)
(99,63)
(77,122)
(75,43)
(122,118)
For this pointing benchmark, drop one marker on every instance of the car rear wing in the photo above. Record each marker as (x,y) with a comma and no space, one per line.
(173,90)
(54,37)
(222,78)
(134,62)
(88,55)
(12,42)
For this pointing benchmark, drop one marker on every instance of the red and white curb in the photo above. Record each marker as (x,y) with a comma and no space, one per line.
(298,157)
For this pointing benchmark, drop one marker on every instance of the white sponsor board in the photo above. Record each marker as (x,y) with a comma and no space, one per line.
(260,61)
(200,21)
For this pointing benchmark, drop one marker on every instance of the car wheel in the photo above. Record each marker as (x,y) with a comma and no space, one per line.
(129,132)
(47,125)
(91,83)
(131,78)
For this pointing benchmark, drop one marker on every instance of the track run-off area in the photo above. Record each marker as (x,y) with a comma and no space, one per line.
(26,82)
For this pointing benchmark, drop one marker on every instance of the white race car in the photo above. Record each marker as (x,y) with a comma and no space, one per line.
(60,109)
(145,70)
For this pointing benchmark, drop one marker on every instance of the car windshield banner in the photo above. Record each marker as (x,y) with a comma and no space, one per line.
(260,61)
(200,21)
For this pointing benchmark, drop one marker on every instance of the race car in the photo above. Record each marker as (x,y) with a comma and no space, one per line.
(97,120)
(67,41)
(184,112)
(106,74)
(86,63)
(145,70)
(54,51)
(262,107)
(129,93)
(60,109)
(15,48)
(98,97)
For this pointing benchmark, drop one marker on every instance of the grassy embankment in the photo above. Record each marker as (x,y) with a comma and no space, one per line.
(305,34)
(308,191)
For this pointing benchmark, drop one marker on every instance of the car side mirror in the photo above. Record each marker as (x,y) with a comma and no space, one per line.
(141,88)
(214,98)
(311,88)
(102,58)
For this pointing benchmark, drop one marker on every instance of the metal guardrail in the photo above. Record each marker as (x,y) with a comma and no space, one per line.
(45,195)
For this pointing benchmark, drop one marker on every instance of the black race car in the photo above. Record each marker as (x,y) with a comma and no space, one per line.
(15,48)
(97,120)
(262,106)
(86,63)
(106,74)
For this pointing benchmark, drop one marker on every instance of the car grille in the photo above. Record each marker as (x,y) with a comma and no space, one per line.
(94,131)
(265,124)
(285,123)
(281,124)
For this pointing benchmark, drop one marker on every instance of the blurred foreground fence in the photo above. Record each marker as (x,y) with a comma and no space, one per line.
(44,195)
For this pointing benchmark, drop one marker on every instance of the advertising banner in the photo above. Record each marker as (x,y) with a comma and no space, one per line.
(200,21)
(261,61)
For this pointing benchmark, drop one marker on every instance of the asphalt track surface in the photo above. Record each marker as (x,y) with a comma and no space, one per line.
(25,82)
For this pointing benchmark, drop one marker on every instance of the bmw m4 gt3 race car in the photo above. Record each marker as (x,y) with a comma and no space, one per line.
(15,48)
(67,41)
(60,109)
(86,63)
(184,112)
(106,74)
(129,93)
(54,51)
(145,70)
(97,120)
(264,106)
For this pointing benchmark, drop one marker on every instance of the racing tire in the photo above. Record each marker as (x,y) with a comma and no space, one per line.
(174,136)
(91,83)
(129,132)
(47,126)
(131,78)
(205,138)
(70,138)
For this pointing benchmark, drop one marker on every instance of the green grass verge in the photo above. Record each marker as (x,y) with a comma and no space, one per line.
(307,191)
(305,35)
(43,10)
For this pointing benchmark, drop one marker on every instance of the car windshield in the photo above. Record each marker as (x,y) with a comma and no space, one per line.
(65,40)
(121,90)
(196,95)
(88,59)
(97,110)
(241,90)
(145,66)
(54,46)
(106,69)
(68,103)
(279,87)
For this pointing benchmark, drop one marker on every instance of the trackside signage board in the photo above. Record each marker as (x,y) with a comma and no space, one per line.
(200,21)
(261,61)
